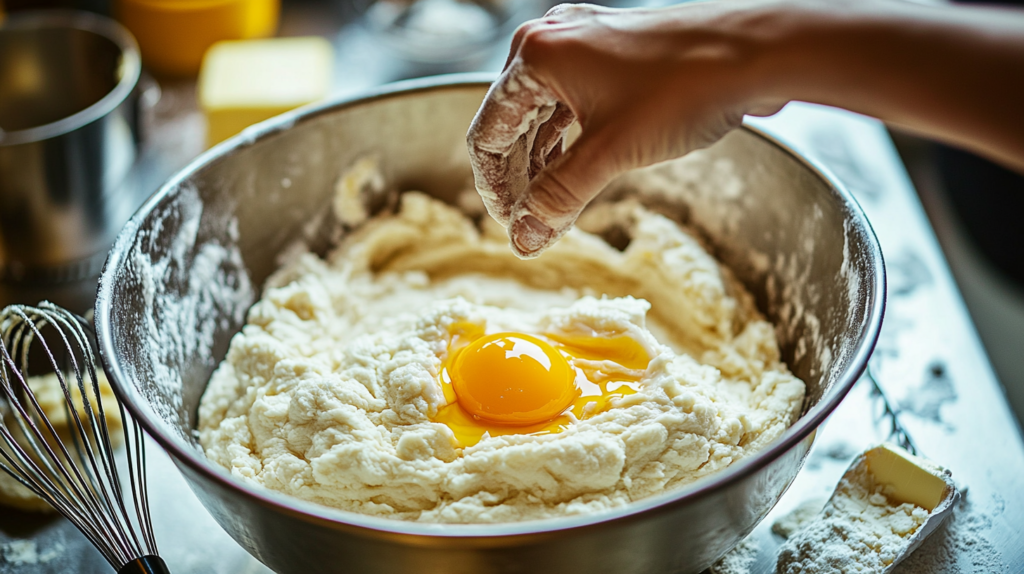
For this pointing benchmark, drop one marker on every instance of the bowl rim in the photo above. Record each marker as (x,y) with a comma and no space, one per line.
(190,460)
(106,28)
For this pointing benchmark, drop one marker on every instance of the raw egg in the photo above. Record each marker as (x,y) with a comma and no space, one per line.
(518,383)
(513,379)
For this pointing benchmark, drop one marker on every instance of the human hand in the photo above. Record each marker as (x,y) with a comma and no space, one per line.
(646,85)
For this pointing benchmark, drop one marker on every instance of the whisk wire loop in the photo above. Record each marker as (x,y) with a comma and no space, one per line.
(88,490)
(82,482)
(39,467)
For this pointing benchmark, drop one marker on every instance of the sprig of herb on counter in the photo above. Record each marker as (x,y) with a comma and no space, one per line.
(887,414)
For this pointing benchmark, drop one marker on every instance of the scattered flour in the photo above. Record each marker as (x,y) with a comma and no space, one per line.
(739,560)
(927,399)
(21,552)
(789,524)
(959,548)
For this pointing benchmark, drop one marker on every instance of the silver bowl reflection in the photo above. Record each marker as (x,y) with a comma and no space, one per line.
(69,135)
(188,265)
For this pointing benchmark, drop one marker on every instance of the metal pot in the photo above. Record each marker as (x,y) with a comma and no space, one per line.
(183,272)
(68,139)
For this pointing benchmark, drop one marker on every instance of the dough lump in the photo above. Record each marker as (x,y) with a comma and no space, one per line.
(328,392)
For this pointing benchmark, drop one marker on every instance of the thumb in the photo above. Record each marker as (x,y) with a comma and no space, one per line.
(556,196)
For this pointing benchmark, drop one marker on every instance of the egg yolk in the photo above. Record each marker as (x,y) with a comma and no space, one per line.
(513,379)
(514,383)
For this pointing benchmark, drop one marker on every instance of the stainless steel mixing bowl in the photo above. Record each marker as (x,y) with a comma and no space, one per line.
(183,272)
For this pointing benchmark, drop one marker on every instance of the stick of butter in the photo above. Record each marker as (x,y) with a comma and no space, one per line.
(244,82)
(907,478)
(883,508)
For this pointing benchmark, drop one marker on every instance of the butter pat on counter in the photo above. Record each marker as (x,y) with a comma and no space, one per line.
(906,478)
(245,82)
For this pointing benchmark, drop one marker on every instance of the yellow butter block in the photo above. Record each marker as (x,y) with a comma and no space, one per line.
(245,82)
(907,478)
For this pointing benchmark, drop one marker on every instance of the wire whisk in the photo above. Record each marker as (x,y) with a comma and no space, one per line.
(73,469)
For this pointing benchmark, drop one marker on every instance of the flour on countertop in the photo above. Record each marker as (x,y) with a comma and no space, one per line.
(960,547)
(927,399)
(790,523)
(22,552)
(739,560)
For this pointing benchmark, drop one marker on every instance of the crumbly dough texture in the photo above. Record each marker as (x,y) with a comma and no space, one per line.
(327,393)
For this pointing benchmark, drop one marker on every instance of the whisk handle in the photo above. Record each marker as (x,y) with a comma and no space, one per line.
(145,565)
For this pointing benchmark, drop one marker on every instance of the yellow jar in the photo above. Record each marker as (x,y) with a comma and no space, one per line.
(173,35)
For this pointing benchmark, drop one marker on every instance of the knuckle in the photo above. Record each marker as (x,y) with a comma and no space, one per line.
(554,198)
(535,34)
(536,43)
(523,28)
